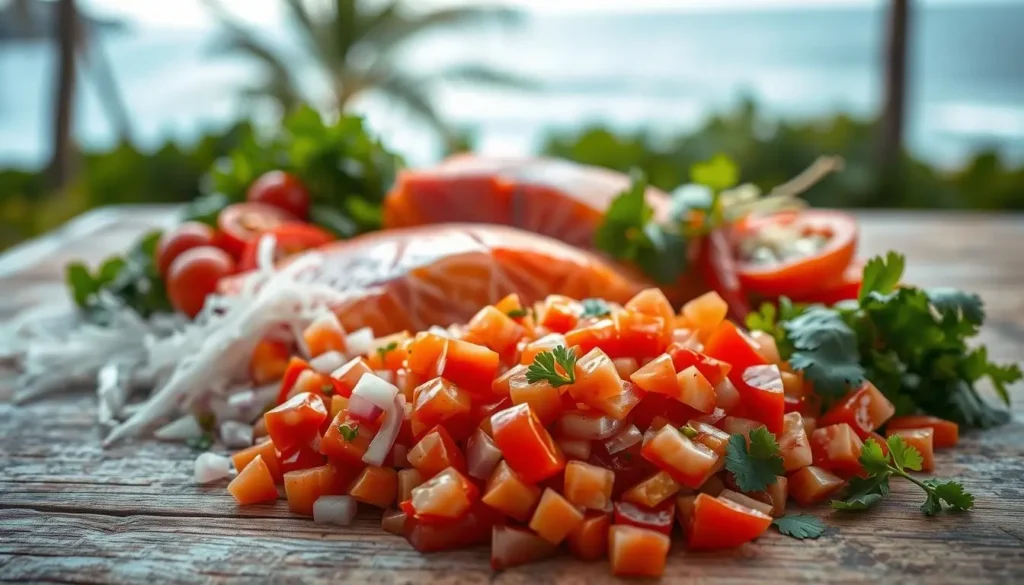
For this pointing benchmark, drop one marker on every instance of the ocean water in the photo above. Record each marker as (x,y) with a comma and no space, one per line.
(665,71)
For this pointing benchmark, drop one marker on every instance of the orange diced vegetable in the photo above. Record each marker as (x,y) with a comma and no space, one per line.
(526,444)
(266,449)
(496,330)
(639,335)
(596,378)
(376,486)
(269,362)
(625,366)
(652,491)
(439,400)
(693,389)
(601,334)
(588,486)
(469,366)
(684,511)
(658,518)
(658,376)
(684,357)
(706,312)
(559,313)
(735,425)
(407,480)
(393,521)
(544,400)
(555,517)
(688,463)
(710,436)
(435,452)
(653,302)
(923,441)
(811,484)
(347,376)
(747,501)
(620,405)
(347,439)
(546,343)
(511,547)
(946,433)
(794,445)
(448,495)
(589,540)
(637,552)
(507,493)
(324,335)
(296,422)
(864,409)
(302,488)
(717,523)
(254,484)
(713,486)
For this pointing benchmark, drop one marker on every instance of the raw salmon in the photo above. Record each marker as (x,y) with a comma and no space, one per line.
(556,198)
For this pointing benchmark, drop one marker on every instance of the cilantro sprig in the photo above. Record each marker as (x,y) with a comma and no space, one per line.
(756,466)
(384,350)
(865,492)
(912,343)
(556,367)
(595,308)
(800,526)
(348,431)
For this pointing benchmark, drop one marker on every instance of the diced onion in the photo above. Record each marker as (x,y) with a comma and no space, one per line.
(580,425)
(211,467)
(386,375)
(625,439)
(326,363)
(360,407)
(186,427)
(482,456)
(334,510)
(360,341)
(236,435)
(438,331)
(386,397)
(575,448)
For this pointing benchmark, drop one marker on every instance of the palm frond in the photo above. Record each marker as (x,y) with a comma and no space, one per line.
(413,95)
(481,74)
(318,37)
(391,33)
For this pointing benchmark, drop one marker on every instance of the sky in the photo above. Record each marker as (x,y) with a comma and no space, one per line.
(191,13)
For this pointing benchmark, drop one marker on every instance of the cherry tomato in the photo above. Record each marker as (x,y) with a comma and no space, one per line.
(194,275)
(289,239)
(186,236)
(804,273)
(282,190)
(242,223)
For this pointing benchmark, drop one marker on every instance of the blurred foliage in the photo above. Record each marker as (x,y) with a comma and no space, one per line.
(769,152)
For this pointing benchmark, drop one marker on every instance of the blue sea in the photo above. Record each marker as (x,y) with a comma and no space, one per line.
(665,71)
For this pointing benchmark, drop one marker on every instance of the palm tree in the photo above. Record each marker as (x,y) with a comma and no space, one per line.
(894,99)
(64,97)
(353,43)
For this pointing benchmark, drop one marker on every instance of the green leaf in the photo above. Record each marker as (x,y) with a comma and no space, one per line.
(621,231)
(200,443)
(757,467)
(863,493)
(932,504)
(517,313)
(595,308)
(976,366)
(881,275)
(958,304)
(825,350)
(873,458)
(80,283)
(904,456)
(800,526)
(718,174)
(349,431)
(206,208)
(688,431)
(383,351)
(556,367)
(952,493)
(333,221)
(662,255)
(764,319)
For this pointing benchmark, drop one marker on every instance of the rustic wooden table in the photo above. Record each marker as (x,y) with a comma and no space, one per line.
(72,512)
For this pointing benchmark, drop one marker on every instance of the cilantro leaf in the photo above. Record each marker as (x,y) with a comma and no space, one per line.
(595,308)
(799,526)
(864,493)
(976,366)
(383,351)
(718,174)
(958,304)
(755,467)
(763,319)
(688,431)
(903,456)
(881,275)
(201,443)
(872,458)
(825,349)
(952,493)
(517,313)
(663,257)
(556,367)
(348,431)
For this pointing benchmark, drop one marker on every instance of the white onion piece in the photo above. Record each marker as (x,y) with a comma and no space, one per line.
(326,363)
(211,467)
(360,407)
(334,510)
(482,456)
(236,435)
(186,427)
(580,425)
(625,439)
(382,442)
(360,341)
(386,375)
(575,448)
(438,331)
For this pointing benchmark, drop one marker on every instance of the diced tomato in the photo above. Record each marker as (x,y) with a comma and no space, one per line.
(946,433)
(735,425)
(864,409)
(558,313)
(794,445)
(335,479)
(302,488)
(291,374)
(923,441)
(837,448)
(778,493)
(652,491)
(728,344)
(448,495)
(544,400)
(269,362)
(511,547)
(315,383)
(302,457)
(526,444)
(347,439)
(766,346)
(545,343)
(555,517)
(684,511)
(482,413)
(793,385)
(746,501)
(626,366)
(695,390)
(761,396)
(347,376)
(266,449)
(620,405)
(710,436)
(338,404)
(254,484)
(811,485)
(439,400)
(424,351)
(296,422)
(653,405)
(600,334)
(717,523)
(509,303)
(684,357)
(393,521)
(376,486)
(658,376)
(637,552)
(588,486)
(652,301)
(469,366)
(596,378)
(407,480)
(496,330)
(657,518)
(500,385)
(435,452)
(389,352)
(687,462)
(589,540)
(727,397)
(629,466)
(471,529)
(712,418)
(706,312)
(324,335)
(639,335)
(507,493)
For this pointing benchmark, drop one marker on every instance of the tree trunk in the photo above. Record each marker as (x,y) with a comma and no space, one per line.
(60,159)
(894,99)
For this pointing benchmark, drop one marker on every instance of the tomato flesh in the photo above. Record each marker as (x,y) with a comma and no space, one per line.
(526,444)
(282,190)
(864,409)
(184,237)
(945,433)
(296,422)
(242,223)
(658,519)
(761,396)
(290,239)
(716,523)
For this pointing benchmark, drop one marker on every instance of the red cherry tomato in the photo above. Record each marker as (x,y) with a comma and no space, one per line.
(282,190)
(242,223)
(194,275)
(186,236)
(290,239)
(805,273)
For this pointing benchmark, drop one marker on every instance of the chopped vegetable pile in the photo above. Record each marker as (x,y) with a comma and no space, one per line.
(591,424)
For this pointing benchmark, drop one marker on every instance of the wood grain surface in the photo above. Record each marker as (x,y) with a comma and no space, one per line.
(72,512)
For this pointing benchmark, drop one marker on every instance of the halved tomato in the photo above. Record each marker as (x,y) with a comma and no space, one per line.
(289,239)
(242,223)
